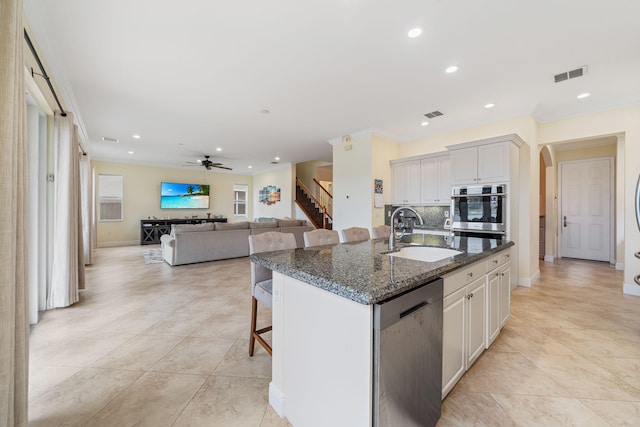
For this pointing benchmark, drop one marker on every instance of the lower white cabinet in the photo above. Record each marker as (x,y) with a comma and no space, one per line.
(476,306)
(505,293)
(464,329)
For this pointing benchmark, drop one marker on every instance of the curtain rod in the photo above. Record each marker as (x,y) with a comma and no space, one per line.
(44,73)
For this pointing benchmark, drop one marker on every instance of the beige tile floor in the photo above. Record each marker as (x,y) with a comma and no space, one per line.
(152,345)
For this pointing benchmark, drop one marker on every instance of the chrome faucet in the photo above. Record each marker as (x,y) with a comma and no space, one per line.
(392,235)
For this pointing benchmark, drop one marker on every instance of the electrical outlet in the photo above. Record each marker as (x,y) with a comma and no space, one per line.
(446,214)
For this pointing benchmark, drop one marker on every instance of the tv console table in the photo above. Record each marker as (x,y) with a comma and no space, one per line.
(152,229)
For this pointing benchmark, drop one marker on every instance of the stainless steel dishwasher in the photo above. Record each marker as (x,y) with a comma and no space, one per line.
(407,365)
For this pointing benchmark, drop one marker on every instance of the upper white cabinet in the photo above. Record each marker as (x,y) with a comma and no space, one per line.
(405,176)
(421,180)
(435,178)
(484,162)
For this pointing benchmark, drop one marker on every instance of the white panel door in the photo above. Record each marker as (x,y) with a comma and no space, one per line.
(585,223)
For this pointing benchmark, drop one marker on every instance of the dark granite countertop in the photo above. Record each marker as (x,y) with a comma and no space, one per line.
(362,272)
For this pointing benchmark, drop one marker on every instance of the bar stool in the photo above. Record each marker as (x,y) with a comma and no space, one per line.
(355,234)
(261,283)
(320,237)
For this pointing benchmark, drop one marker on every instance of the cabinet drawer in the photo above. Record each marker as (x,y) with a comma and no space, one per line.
(505,256)
(458,279)
(498,260)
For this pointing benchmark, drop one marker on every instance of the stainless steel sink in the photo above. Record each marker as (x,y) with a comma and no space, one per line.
(425,253)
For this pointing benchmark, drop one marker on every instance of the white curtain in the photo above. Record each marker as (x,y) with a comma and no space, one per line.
(86,206)
(67,273)
(14,335)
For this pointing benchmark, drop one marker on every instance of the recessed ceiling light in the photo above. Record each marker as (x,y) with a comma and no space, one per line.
(180,143)
(136,136)
(451,69)
(250,166)
(130,152)
(199,160)
(583,95)
(218,149)
(277,158)
(414,32)
(489,105)
(424,124)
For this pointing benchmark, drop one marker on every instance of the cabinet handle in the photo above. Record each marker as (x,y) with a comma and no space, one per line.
(470,274)
(471,295)
(495,261)
(497,274)
(502,274)
(507,255)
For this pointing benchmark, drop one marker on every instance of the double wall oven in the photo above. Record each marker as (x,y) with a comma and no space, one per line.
(479,211)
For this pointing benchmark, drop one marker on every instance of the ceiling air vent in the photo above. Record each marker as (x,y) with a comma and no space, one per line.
(110,139)
(578,72)
(433,114)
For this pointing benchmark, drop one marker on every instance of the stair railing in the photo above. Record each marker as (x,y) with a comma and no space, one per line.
(325,197)
(323,208)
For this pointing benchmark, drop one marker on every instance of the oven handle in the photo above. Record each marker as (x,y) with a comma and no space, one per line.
(457,196)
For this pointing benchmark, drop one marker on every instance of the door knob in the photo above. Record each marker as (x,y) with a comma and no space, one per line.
(564,221)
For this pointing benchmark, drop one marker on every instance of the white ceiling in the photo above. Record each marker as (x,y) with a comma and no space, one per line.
(200,72)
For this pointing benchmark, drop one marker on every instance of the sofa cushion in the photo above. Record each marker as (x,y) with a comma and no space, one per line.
(189,228)
(290,222)
(270,224)
(231,226)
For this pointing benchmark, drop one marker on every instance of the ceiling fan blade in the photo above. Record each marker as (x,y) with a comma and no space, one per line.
(221,167)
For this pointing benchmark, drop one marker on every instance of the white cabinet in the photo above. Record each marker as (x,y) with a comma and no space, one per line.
(505,293)
(435,179)
(453,339)
(484,162)
(475,307)
(405,178)
(463,322)
(476,319)
(463,331)
(499,294)
(481,164)
(493,309)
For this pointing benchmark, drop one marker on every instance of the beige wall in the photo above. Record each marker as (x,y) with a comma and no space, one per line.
(307,171)
(624,124)
(352,183)
(142,197)
(383,151)
(282,177)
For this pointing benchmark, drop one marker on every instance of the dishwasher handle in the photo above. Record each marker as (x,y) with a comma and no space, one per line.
(414,308)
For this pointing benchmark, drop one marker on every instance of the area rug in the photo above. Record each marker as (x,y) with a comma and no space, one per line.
(152,256)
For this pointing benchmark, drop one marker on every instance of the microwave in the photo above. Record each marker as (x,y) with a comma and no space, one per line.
(479,209)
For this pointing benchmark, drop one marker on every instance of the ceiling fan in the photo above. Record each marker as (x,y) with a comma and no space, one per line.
(208,164)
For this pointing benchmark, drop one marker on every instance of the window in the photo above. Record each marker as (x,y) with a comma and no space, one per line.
(240,200)
(110,198)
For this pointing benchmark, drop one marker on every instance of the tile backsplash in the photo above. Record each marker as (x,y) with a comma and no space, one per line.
(433,216)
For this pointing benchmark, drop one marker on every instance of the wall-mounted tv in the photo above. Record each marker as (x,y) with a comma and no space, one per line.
(174,195)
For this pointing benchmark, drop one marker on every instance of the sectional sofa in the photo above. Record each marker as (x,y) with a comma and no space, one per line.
(191,243)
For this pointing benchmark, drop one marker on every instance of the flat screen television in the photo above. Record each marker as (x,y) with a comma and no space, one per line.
(175,195)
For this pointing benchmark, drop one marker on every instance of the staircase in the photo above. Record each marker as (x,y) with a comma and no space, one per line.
(316,213)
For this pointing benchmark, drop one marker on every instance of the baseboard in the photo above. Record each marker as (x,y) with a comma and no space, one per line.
(631,289)
(528,282)
(123,243)
(549,258)
(276,399)
(619,265)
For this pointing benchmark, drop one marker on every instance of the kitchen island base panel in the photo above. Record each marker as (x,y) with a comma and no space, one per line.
(322,356)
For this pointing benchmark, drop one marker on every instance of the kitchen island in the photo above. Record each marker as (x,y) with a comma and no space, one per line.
(323,338)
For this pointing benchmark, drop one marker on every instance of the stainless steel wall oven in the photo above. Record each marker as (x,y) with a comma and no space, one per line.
(479,210)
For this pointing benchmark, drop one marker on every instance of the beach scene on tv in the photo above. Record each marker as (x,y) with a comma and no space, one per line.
(184,196)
